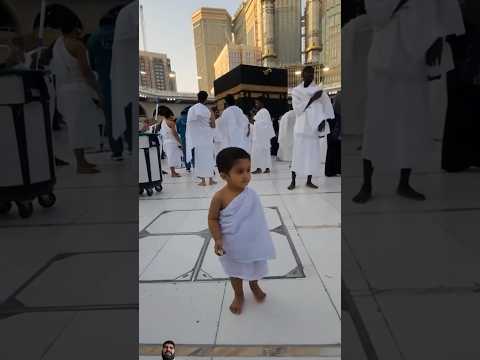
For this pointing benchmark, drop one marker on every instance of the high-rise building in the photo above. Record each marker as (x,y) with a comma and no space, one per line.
(331,34)
(273,26)
(288,44)
(212,29)
(233,55)
(239,28)
(313,31)
(156,72)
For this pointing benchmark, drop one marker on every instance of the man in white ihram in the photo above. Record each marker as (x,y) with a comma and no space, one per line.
(312,107)
(124,75)
(233,126)
(407,53)
(199,139)
(285,136)
(262,133)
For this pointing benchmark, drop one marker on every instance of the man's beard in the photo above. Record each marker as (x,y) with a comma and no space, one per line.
(168,356)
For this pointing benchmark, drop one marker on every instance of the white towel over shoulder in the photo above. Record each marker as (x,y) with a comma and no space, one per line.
(245,231)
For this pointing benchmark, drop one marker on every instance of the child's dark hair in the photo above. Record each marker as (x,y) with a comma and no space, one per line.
(228,156)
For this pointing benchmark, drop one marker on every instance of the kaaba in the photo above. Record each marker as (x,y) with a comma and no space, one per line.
(247,82)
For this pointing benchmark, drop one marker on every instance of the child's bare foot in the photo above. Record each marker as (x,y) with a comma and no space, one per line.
(176,175)
(237,305)
(257,291)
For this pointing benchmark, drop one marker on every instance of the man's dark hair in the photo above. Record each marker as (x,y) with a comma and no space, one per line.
(228,157)
(230,100)
(69,23)
(261,99)
(168,342)
(164,111)
(309,68)
(202,96)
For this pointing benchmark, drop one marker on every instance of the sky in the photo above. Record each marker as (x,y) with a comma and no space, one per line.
(168,26)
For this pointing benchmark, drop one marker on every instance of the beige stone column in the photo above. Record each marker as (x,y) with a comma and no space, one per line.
(314,30)
(269,56)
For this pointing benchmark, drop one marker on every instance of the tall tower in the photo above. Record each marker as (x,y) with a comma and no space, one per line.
(268,20)
(313,31)
(212,30)
(288,33)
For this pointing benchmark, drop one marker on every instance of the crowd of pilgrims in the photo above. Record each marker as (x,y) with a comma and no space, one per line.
(308,136)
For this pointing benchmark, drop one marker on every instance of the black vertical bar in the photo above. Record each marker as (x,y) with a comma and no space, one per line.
(48,136)
(149,165)
(159,161)
(20,131)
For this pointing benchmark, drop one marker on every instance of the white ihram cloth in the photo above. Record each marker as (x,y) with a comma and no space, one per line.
(218,138)
(124,69)
(307,154)
(75,99)
(262,133)
(285,136)
(356,42)
(246,239)
(398,126)
(171,146)
(199,136)
(233,125)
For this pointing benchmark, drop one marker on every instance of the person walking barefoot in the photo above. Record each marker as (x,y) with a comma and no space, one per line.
(239,228)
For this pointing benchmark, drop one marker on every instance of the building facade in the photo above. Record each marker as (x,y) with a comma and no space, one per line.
(274,26)
(156,72)
(212,30)
(288,31)
(233,55)
(313,31)
(331,36)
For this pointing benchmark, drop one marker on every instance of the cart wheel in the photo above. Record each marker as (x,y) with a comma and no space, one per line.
(47,200)
(25,209)
(5,207)
(158,188)
(149,192)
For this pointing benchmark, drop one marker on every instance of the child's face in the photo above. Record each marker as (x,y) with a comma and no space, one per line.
(239,176)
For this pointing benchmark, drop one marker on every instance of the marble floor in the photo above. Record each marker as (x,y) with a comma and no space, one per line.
(184,294)
(412,267)
(68,274)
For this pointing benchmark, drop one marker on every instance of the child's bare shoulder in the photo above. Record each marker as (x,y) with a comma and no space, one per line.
(219,197)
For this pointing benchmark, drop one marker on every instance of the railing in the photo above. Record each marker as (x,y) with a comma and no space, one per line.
(170,94)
